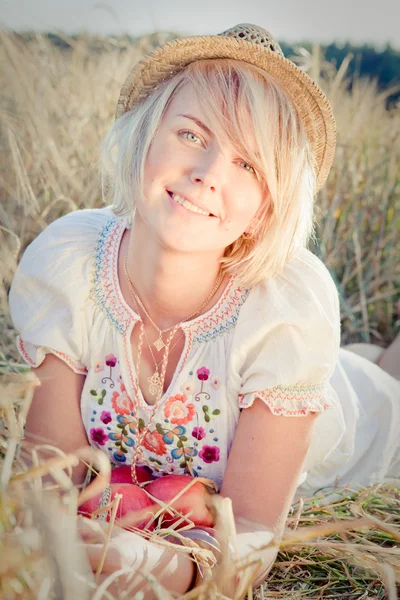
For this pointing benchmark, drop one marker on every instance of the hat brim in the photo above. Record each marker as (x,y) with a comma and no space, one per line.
(311,103)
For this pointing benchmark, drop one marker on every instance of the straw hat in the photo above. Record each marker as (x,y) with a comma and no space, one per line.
(256,46)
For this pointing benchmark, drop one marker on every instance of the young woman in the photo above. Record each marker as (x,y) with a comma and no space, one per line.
(183,325)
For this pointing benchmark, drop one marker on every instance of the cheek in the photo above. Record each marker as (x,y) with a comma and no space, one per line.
(245,204)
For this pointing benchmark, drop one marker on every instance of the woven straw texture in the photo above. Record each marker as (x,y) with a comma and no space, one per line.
(255,46)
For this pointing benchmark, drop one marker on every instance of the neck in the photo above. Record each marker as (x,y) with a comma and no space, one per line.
(172,285)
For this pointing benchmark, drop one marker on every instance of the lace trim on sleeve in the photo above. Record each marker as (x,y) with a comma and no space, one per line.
(291,401)
(35,355)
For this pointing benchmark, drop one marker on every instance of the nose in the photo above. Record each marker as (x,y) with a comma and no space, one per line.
(209,170)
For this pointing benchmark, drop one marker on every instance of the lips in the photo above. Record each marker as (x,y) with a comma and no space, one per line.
(191,201)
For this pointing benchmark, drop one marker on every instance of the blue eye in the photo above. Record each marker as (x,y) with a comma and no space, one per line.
(187,132)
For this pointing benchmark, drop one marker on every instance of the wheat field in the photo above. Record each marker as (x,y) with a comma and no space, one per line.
(56,106)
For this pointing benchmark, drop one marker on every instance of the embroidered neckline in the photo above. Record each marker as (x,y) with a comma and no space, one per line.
(106,291)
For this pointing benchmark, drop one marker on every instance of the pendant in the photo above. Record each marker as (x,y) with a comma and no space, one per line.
(155,385)
(159,344)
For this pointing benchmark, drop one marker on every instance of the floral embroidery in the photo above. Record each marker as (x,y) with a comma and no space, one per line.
(169,436)
(207,415)
(177,411)
(185,452)
(99,395)
(105,291)
(209,454)
(125,422)
(173,444)
(199,433)
(224,318)
(110,361)
(181,451)
(294,400)
(119,455)
(154,442)
(122,404)
(98,435)
(187,388)
(122,437)
(98,366)
(215,382)
(105,417)
(202,374)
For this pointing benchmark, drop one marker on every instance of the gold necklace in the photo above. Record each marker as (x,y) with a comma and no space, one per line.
(154,381)
(137,451)
(159,343)
(141,433)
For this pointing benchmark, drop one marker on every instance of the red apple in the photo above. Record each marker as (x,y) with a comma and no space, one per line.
(193,500)
(135,506)
(123,474)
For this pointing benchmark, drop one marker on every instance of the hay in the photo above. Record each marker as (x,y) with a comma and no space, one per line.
(342,545)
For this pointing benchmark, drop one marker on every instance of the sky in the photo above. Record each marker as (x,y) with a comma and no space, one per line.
(356,21)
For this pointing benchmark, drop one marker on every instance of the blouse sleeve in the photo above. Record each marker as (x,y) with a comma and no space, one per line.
(49,291)
(287,340)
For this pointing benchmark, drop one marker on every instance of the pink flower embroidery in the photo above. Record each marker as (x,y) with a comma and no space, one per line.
(187,388)
(98,435)
(110,360)
(122,404)
(177,411)
(105,417)
(215,382)
(198,433)
(203,373)
(98,366)
(154,442)
(209,454)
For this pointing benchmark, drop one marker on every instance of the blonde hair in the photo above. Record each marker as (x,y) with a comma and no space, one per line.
(234,95)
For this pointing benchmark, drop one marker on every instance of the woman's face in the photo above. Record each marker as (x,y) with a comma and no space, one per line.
(200,196)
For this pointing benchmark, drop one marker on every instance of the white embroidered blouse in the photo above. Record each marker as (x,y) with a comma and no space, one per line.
(278,341)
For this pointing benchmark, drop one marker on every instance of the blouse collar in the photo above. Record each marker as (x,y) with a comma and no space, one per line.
(106,291)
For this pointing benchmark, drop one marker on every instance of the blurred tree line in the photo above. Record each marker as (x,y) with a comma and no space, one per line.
(368,61)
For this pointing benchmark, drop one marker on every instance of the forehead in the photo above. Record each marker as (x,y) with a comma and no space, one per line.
(209,112)
(184,100)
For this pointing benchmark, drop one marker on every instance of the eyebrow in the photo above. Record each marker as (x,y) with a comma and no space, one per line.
(207,129)
(198,122)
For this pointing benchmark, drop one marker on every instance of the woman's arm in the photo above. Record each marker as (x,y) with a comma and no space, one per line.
(263,468)
(129,551)
(55,416)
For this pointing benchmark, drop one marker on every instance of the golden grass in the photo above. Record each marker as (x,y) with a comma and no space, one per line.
(57,105)
(342,545)
(55,108)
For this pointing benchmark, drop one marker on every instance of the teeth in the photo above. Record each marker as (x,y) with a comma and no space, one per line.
(188,205)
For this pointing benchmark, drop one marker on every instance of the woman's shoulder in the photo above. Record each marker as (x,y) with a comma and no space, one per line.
(288,331)
(83,224)
(69,242)
(301,301)
(304,288)
(58,263)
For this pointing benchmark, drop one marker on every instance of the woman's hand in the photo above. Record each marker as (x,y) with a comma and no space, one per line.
(112,550)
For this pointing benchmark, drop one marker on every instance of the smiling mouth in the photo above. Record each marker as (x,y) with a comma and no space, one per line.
(188,205)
